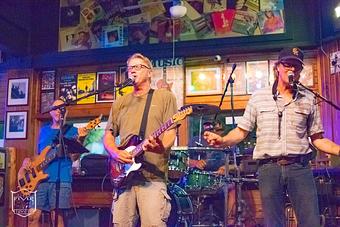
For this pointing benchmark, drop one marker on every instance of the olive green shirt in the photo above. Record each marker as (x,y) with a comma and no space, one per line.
(125,120)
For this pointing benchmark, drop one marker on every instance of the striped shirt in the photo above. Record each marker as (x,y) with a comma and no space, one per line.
(300,119)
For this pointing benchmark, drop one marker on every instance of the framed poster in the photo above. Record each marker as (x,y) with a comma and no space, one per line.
(106,81)
(17,92)
(86,84)
(2,188)
(123,76)
(47,80)
(203,81)
(239,77)
(257,75)
(271,71)
(307,74)
(46,100)
(2,159)
(68,87)
(16,125)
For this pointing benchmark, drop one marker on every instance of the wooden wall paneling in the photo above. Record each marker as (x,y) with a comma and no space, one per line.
(25,147)
(240,101)
(330,90)
(335,97)
(3,95)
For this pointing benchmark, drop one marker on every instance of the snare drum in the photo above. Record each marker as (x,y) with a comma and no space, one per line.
(202,180)
(178,162)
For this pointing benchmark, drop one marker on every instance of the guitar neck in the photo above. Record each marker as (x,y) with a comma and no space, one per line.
(47,159)
(139,150)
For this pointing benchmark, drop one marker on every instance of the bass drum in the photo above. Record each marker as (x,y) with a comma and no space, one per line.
(181,214)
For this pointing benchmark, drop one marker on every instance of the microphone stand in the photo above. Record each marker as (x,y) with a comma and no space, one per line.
(300,85)
(62,150)
(238,192)
(226,172)
(62,153)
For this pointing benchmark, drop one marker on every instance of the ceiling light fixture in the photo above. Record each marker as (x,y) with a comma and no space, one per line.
(178,10)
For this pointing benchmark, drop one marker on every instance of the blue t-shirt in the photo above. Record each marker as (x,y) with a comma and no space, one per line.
(47,136)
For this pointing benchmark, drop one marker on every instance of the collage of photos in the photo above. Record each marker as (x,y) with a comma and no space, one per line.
(78,88)
(90,24)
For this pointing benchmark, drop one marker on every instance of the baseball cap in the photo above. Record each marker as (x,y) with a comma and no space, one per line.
(292,53)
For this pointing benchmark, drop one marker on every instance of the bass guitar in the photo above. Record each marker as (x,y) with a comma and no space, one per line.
(120,171)
(35,174)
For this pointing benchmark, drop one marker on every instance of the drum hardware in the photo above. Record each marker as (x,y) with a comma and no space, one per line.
(178,162)
(201,110)
(204,217)
(241,205)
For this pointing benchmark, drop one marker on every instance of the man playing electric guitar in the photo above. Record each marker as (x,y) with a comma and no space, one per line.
(145,188)
(46,195)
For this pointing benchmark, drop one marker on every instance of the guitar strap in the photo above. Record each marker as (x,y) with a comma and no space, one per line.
(145,115)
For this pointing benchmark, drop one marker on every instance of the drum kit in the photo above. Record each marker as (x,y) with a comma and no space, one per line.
(195,191)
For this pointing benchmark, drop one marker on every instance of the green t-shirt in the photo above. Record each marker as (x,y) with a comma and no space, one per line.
(125,120)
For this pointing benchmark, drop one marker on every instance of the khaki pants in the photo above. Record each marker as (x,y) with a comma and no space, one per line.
(153,204)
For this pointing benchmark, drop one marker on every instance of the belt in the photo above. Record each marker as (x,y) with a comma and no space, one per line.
(284,160)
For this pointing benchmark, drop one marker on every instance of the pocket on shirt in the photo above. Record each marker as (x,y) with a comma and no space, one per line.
(299,120)
(266,115)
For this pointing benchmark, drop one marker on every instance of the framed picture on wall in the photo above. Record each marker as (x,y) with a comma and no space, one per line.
(106,81)
(307,74)
(271,71)
(123,76)
(2,188)
(257,75)
(46,100)
(2,160)
(47,80)
(113,36)
(203,81)
(17,92)
(16,125)
(239,76)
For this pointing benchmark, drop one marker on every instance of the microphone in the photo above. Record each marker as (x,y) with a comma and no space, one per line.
(128,82)
(233,68)
(291,79)
(231,78)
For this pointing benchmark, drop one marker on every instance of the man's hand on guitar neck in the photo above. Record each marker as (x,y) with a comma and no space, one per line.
(82,132)
(154,145)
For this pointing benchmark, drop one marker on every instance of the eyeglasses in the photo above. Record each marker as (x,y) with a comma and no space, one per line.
(297,67)
(137,67)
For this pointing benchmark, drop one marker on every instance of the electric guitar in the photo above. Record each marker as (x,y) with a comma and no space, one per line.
(120,171)
(35,174)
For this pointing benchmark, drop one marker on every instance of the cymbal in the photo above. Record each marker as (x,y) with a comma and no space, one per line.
(201,150)
(203,109)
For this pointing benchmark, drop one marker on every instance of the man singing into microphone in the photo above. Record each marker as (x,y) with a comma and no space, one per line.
(145,193)
(286,119)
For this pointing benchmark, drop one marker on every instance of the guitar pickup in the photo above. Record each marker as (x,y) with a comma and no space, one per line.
(21,182)
(34,173)
(27,177)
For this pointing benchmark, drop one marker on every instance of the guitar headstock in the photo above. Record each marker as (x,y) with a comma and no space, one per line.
(92,124)
(182,114)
